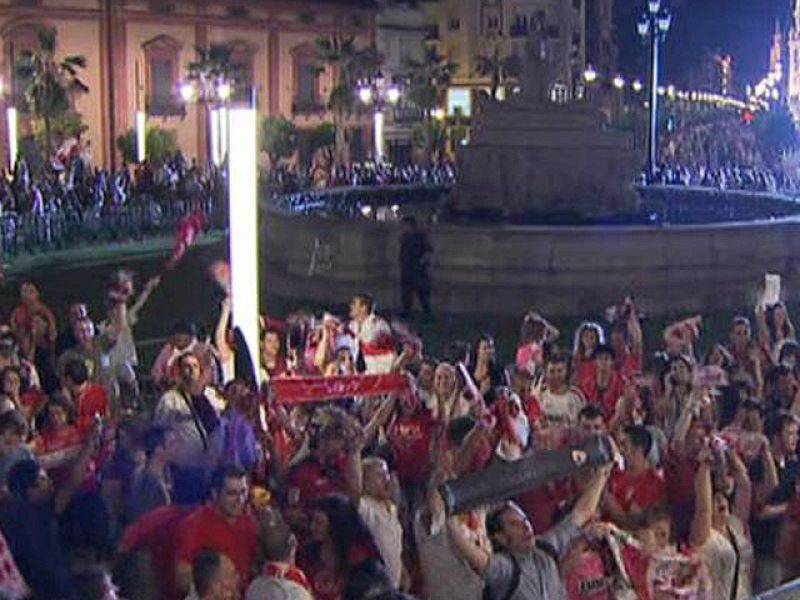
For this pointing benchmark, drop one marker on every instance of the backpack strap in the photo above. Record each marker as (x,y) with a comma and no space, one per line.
(547,548)
(515,577)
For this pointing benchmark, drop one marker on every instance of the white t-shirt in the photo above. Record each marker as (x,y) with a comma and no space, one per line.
(720,558)
(382,521)
(562,409)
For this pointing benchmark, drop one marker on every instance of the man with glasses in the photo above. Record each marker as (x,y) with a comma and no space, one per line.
(222,525)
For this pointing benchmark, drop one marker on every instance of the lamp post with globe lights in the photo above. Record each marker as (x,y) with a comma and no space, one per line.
(379,93)
(653,26)
(234,127)
(216,96)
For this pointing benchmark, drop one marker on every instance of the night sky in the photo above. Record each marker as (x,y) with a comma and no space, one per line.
(742,28)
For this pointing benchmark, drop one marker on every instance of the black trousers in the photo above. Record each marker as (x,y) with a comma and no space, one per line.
(415,284)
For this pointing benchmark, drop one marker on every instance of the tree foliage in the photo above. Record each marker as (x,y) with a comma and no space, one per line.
(278,138)
(349,65)
(429,79)
(161,144)
(50,83)
(499,69)
(213,65)
(776,133)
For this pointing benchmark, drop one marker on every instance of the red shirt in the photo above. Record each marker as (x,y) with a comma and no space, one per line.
(91,401)
(606,398)
(411,439)
(546,505)
(628,364)
(57,450)
(681,473)
(642,490)
(157,532)
(312,481)
(206,527)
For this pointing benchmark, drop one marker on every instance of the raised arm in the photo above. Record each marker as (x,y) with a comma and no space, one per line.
(586,506)
(477,558)
(635,333)
(221,331)
(700,529)
(771,481)
(141,300)
(762,330)
(743,494)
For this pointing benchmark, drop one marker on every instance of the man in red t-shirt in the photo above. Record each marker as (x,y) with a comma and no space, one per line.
(324,473)
(602,384)
(221,525)
(639,486)
(89,400)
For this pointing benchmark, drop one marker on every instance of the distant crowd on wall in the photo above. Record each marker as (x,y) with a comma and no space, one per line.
(293,180)
(730,177)
(74,186)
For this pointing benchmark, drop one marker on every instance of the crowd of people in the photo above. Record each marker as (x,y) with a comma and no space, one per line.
(732,177)
(88,192)
(441,173)
(324,481)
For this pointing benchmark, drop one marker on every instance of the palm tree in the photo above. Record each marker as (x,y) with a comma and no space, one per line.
(428,81)
(214,65)
(50,83)
(348,65)
(499,69)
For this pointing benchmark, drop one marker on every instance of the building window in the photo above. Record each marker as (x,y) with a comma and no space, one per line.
(242,59)
(493,23)
(459,100)
(520,26)
(306,80)
(455,24)
(553,31)
(22,38)
(161,60)
(576,4)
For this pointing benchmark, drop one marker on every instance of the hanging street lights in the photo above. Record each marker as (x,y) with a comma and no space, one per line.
(653,26)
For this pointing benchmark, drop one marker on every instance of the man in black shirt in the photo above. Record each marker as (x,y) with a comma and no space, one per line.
(415,255)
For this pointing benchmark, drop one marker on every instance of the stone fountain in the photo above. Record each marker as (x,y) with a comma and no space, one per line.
(529,156)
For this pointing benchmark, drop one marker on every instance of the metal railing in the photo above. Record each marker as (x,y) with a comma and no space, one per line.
(660,204)
(69,226)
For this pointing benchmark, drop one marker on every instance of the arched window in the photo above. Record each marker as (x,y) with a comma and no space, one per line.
(306,80)
(242,54)
(18,39)
(161,56)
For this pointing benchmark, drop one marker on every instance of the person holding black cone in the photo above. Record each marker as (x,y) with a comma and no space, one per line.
(524,566)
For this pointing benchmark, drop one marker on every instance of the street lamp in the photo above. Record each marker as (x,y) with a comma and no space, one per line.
(243,238)
(216,95)
(637,86)
(141,136)
(590,75)
(618,82)
(653,26)
(379,93)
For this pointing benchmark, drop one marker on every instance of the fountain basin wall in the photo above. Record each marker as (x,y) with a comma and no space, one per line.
(507,270)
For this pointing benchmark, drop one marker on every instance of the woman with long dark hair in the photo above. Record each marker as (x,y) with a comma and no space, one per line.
(483,364)
(339,540)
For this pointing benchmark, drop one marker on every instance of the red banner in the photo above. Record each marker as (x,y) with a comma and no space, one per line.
(304,390)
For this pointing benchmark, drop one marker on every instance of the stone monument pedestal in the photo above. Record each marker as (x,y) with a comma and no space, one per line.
(527,158)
